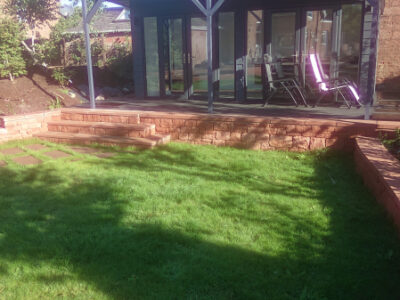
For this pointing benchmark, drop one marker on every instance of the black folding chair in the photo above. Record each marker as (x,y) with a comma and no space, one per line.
(277,82)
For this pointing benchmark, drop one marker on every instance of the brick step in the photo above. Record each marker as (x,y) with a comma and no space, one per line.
(100,115)
(86,139)
(389,102)
(387,109)
(102,128)
(386,116)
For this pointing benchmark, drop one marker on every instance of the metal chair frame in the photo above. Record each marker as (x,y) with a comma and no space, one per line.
(346,89)
(290,86)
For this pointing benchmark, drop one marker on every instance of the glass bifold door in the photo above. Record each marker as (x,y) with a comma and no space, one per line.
(176,49)
(176,56)
(288,37)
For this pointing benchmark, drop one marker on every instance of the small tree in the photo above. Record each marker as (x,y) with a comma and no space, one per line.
(12,63)
(34,13)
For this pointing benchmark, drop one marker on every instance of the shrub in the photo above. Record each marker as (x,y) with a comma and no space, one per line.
(393,145)
(119,60)
(61,75)
(12,63)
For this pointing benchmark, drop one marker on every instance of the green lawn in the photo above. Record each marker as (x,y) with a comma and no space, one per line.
(191,222)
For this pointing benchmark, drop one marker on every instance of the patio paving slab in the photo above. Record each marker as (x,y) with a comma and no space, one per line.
(105,154)
(12,151)
(36,147)
(85,150)
(57,154)
(27,160)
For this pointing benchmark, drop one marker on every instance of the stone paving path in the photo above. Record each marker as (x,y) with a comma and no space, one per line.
(57,154)
(36,147)
(105,154)
(20,157)
(26,160)
(11,151)
(84,150)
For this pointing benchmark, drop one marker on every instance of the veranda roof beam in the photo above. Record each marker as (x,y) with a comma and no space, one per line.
(217,6)
(200,6)
(93,10)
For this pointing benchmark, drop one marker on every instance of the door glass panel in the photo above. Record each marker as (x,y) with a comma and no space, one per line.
(318,38)
(151,52)
(283,37)
(173,54)
(254,58)
(226,29)
(283,41)
(350,41)
(199,55)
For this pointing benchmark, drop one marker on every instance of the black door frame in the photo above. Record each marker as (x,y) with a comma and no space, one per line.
(186,61)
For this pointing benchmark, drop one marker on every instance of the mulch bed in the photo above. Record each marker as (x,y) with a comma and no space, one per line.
(32,93)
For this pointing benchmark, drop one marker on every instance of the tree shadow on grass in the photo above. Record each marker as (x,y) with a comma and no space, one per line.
(79,222)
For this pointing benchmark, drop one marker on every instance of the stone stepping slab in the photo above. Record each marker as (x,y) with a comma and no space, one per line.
(85,150)
(36,147)
(57,154)
(27,160)
(105,154)
(12,151)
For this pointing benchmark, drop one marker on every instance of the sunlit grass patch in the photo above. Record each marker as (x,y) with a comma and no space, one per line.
(192,222)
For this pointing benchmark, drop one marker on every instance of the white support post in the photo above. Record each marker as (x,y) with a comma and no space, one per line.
(86,18)
(210,78)
(209,11)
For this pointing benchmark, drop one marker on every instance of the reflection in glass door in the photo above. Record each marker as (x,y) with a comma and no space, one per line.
(199,58)
(318,37)
(174,56)
(283,41)
(152,58)
(255,51)
(350,41)
(226,32)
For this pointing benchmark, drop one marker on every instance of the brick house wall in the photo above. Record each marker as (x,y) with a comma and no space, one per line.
(388,71)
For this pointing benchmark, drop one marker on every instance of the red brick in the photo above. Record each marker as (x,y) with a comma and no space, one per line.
(320,131)
(183,136)
(317,143)
(178,122)
(222,135)
(236,136)
(281,141)
(276,130)
(301,142)
(223,126)
(249,137)
(174,135)
(190,123)
(218,142)
(166,122)
(206,141)
(265,146)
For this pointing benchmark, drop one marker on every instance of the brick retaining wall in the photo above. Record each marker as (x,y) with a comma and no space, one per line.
(25,125)
(260,133)
(381,173)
